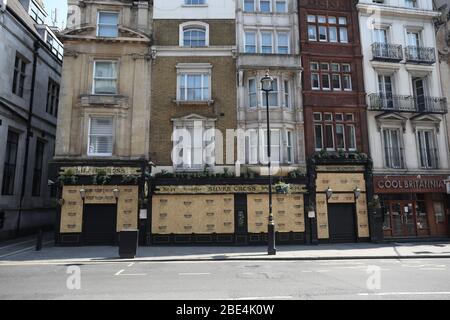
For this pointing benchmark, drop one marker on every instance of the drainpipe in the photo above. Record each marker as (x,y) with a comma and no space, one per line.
(28,135)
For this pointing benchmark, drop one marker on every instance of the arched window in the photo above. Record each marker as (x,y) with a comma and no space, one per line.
(194,34)
(194,37)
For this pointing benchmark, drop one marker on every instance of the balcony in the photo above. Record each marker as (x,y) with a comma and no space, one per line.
(420,55)
(397,103)
(387,52)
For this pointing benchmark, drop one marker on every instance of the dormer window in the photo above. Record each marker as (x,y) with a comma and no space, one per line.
(194,34)
(108,24)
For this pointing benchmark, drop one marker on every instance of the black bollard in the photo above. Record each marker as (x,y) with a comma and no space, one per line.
(39,240)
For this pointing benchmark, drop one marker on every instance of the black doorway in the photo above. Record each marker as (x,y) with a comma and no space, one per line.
(342,223)
(99,224)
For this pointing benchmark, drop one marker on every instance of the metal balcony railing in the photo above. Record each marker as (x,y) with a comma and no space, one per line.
(398,103)
(420,55)
(387,52)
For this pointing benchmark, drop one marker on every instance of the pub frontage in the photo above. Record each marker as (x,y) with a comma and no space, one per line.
(413,206)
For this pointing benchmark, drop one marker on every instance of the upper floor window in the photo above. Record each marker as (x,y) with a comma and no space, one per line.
(105,77)
(194,34)
(20,68)
(52,97)
(427,149)
(280,6)
(411,3)
(393,151)
(9,169)
(327,28)
(332,76)
(100,136)
(194,2)
(281,146)
(334,131)
(280,96)
(269,42)
(194,37)
(265,6)
(249,5)
(108,24)
(36,13)
(250,42)
(194,87)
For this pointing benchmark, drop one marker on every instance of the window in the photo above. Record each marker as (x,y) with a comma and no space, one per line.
(333,131)
(281,6)
(273,95)
(194,145)
(52,98)
(327,29)
(108,24)
(289,147)
(265,6)
(194,87)
(275,146)
(36,13)
(287,98)
(9,171)
(385,88)
(266,42)
(38,164)
(283,43)
(105,77)
(252,147)
(249,5)
(100,137)
(20,68)
(427,149)
(252,93)
(411,3)
(331,76)
(194,37)
(250,42)
(392,149)
(194,2)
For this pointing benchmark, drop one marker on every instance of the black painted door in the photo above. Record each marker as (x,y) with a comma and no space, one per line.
(240,219)
(342,223)
(99,224)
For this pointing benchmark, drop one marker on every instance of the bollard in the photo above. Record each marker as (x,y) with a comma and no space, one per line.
(39,240)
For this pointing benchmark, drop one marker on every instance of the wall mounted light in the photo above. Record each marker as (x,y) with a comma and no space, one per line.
(82,193)
(329,193)
(357,193)
(116,193)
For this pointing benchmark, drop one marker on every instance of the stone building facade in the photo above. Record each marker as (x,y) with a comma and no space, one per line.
(30,75)
(103,126)
(406,118)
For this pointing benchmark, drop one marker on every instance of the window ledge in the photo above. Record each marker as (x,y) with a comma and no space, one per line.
(104,100)
(194,102)
(205,5)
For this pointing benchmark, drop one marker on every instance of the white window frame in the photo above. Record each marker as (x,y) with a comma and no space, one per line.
(270,5)
(116,79)
(195,69)
(285,6)
(193,24)
(400,144)
(261,44)
(89,154)
(289,147)
(255,94)
(254,6)
(195,4)
(287,94)
(98,22)
(435,146)
(286,33)
(255,33)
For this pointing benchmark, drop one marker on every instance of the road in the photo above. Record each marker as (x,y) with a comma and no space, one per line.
(243,280)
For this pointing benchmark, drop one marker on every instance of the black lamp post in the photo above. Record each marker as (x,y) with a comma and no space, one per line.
(267,86)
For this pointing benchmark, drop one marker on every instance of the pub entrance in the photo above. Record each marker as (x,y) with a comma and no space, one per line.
(99,224)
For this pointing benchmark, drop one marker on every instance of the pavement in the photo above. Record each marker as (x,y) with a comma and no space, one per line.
(23,251)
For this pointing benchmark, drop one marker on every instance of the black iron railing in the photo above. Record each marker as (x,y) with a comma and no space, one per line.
(420,54)
(398,103)
(387,51)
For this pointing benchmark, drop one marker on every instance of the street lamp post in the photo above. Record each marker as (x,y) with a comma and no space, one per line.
(267,86)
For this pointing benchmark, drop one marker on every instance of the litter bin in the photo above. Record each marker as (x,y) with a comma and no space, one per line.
(128,243)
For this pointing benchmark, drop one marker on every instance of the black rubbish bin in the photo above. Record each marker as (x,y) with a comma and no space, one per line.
(128,243)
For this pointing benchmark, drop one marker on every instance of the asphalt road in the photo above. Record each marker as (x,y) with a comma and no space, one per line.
(352,279)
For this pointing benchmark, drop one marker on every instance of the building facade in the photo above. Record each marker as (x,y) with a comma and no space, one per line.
(406,117)
(335,122)
(103,144)
(30,74)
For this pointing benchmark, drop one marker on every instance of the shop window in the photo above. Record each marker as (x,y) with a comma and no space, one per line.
(439,212)
(421,215)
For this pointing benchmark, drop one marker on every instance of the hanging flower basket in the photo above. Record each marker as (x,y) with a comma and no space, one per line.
(282,188)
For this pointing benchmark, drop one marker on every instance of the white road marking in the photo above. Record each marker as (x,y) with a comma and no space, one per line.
(264,298)
(22,250)
(131,264)
(322,271)
(16,244)
(133,274)
(404,293)
(194,274)
(433,269)
(119,272)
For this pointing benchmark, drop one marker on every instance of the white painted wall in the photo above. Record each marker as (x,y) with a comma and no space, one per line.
(421,4)
(176,9)
(402,74)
